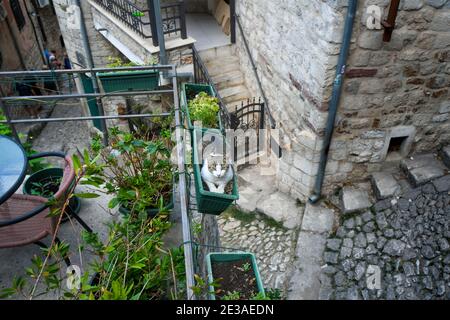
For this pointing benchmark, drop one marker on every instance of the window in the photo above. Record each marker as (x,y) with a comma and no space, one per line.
(18,14)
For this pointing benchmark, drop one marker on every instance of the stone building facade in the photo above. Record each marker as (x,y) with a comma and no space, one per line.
(395,96)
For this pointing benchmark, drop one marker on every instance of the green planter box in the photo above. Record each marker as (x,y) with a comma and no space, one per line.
(195,89)
(42,177)
(209,202)
(122,81)
(229,257)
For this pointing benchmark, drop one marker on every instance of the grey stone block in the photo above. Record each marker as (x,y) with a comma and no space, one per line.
(422,169)
(442,184)
(354,200)
(446,156)
(385,185)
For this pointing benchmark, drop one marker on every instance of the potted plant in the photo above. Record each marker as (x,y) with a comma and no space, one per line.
(45,183)
(236,275)
(201,104)
(216,189)
(137,172)
(118,81)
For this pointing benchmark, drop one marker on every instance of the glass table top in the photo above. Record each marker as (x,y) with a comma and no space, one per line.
(13,164)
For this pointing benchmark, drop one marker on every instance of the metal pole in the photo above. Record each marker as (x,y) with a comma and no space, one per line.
(90,61)
(183,19)
(189,260)
(335,98)
(233,21)
(159,31)
(152,19)
(47,120)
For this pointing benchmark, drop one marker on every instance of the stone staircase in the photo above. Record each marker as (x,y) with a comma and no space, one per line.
(224,69)
(397,179)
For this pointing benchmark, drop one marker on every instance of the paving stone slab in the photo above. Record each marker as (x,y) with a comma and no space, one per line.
(422,169)
(446,156)
(317,218)
(442,184)
(354,200)
(385,185)
(281,208)
(305,282)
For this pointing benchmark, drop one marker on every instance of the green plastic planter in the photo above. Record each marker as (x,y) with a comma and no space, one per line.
(209,202)
(129,81)
(229,257)
(40,176)
(195,89)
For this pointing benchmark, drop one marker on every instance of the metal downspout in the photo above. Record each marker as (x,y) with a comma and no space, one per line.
(335,98)
(90,62)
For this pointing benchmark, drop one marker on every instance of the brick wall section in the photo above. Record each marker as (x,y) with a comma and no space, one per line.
(401,83)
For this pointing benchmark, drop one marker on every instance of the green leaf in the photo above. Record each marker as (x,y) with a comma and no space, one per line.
(113,203)
(87,195)
(76,163)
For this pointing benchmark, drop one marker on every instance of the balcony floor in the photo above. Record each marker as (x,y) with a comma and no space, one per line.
(206,31)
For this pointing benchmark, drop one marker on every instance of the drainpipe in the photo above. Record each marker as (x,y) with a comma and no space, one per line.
(334,103)
(90,62)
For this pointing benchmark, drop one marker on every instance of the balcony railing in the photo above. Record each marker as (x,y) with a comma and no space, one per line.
(143,20)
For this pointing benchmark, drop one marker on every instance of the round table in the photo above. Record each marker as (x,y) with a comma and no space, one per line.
(13,167)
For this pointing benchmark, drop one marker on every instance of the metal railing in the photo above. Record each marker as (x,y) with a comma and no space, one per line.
(201,75)
(130,14)
(142,20)
(179,132)
(255,71)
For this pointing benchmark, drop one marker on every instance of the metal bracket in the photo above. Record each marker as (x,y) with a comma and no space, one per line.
(389,23)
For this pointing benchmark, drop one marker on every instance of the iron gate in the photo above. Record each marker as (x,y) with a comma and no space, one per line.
(247,121)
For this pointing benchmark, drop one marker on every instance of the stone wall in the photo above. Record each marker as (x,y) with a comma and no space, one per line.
(295,45)
(392,89)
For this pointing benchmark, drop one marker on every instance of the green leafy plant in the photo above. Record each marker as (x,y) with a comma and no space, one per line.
(202,287)
(137,172)
(46,188)
(247,267)
(204,108)
(232,296)
(116,62)
(4,128)
(131,264)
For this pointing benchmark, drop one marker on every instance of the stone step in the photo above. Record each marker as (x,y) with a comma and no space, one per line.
(223,65)
(217,52)
(281,208)
(354,200)
(421,169)
(445,154)
(237,93)
(229,79)
(385,185)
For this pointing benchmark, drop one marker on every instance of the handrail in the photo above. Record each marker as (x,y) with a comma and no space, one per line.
(255,70)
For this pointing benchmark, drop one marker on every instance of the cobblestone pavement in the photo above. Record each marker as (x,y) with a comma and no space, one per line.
(273,245)
(405,238)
